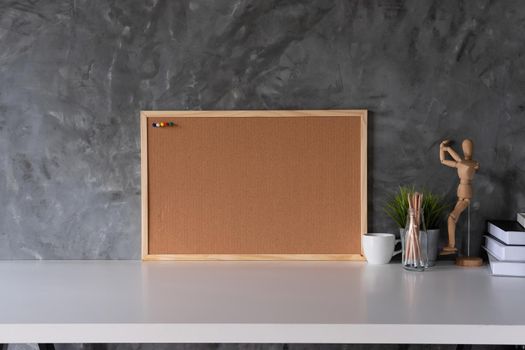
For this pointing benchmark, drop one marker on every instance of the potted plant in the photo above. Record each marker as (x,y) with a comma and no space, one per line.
(433,207)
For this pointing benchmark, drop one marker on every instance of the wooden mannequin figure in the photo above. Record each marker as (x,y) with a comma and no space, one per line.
(466,170)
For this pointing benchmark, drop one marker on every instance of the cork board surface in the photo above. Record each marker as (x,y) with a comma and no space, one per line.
(254,185)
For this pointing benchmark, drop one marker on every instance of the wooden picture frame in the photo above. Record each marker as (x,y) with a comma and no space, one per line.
(146,117)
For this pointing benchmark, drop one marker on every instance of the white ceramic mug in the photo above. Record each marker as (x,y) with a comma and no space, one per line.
(379,247)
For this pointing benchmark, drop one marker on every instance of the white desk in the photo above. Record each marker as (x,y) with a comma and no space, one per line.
(299,302)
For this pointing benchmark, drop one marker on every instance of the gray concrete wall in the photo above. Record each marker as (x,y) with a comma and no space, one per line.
(74,75)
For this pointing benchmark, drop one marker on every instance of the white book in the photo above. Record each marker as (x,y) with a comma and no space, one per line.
(521,219)
(505,252)
(509,232)
(505,268)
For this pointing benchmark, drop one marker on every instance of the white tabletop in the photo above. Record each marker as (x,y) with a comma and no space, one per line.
(296,302)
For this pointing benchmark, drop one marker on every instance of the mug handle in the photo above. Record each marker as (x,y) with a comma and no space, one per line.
(397,251)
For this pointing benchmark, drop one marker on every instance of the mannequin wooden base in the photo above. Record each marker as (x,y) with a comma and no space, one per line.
(469,261)
(448,251)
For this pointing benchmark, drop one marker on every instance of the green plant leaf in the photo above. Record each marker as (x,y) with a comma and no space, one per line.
(434,207)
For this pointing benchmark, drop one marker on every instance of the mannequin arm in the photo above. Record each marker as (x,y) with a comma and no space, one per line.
(453,154)
(443,156)
(449,163)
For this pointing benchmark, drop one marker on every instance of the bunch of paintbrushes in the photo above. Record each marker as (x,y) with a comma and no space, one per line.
(413,256)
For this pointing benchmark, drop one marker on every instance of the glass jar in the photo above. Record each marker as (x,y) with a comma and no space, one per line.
(414,242)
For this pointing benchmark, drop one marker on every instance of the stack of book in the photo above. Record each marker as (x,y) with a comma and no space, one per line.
(505,245)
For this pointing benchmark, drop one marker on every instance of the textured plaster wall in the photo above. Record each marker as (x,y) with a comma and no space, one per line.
(74,75)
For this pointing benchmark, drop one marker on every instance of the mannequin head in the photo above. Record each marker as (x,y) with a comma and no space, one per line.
(468,149)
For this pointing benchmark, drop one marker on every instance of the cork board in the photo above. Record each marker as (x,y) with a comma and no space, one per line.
(253,185)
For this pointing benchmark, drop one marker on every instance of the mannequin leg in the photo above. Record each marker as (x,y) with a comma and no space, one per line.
(453,217)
